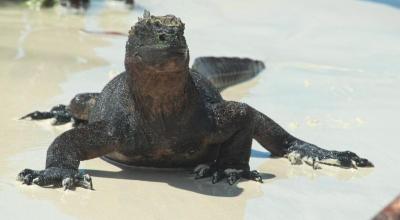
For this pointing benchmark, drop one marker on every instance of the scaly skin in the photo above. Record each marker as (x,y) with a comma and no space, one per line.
(160,113)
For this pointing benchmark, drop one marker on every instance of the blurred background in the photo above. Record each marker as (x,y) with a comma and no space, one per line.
(332,78)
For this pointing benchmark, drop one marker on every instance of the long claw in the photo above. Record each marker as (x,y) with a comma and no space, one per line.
(68,183)
(86,182)
(361,162)
(23,173)
(38,181)
(316,165)
(253,175)
(258,179)
(202,171)
(216,177)
(38,115)
(28,179)
(199,175)
(233,178)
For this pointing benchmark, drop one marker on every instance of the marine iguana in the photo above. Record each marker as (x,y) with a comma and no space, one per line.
(161,113)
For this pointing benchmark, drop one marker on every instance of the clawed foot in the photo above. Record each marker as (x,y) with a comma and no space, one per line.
(231,175)
(57,177)
(59,112)
(314,156)
(204,170)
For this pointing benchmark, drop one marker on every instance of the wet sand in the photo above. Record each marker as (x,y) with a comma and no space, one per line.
(331,79)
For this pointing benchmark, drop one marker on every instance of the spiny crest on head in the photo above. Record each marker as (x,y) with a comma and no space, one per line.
(148,22)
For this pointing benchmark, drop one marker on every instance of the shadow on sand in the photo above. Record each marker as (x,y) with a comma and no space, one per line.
(179,178)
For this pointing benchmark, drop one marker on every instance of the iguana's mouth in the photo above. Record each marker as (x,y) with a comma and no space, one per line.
(154,53)
(177,50)
(167,48)
(159,59)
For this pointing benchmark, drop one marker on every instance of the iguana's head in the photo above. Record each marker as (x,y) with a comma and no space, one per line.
(156,43)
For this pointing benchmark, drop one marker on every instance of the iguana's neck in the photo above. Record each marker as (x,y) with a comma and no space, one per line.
(162,94)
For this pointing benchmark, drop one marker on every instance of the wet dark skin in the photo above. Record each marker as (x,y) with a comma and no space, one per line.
(161,113)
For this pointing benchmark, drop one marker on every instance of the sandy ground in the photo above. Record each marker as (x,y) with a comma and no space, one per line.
(332,79)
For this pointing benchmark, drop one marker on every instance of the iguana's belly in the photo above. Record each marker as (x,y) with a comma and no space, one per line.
(166,156)
(182,146)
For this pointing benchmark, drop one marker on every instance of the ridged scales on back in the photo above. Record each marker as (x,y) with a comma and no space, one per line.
(160,113)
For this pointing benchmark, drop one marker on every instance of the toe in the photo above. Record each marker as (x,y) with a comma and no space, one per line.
(28,179)
(40,181)
(27,176)
(253,175)
(85,181)
(23,173)
(202,171)
(362,162)
(233,178)
(294,158)
(217,176)
(199,174)
(68,183)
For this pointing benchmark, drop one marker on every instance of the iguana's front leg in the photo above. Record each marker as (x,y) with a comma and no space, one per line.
(236,125)
(233,135)
(66,152)
(280,143)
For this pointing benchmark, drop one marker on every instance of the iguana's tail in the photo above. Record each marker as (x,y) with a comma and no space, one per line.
(227,71)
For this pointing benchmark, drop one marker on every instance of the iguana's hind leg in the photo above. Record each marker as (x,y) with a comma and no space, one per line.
(78,110)
(60,113)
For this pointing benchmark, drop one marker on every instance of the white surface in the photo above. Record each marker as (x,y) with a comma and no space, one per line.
(332,79)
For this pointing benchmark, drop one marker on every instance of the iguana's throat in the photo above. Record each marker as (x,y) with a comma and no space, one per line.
(161,93)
